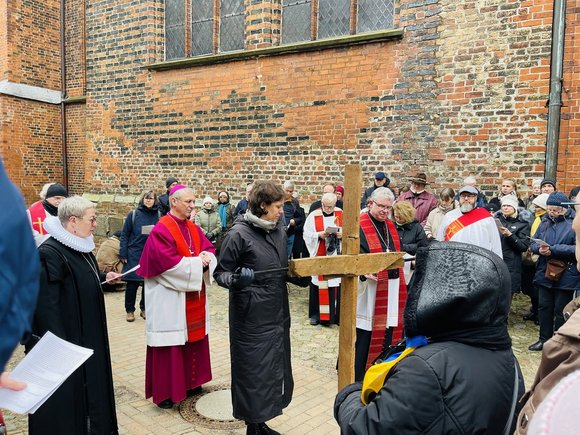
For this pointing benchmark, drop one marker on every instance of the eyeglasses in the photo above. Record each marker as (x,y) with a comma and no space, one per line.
(327,207)
(383,206)
(92,220)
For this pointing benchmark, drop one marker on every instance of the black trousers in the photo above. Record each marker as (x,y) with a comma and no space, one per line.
(551,304)
(131,296)
(528,287)
(361,350)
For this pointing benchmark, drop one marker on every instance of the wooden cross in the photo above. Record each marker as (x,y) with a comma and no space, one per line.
(349,266)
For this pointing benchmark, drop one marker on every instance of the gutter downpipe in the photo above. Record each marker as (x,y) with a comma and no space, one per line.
(64,148)
(555,97)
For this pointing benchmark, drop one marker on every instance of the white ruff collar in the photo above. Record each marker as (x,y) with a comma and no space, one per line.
(53,227)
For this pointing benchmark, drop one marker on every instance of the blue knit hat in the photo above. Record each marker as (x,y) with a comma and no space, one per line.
(557,198)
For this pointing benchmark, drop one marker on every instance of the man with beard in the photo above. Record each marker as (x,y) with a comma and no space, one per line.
(37,212)
(470,224)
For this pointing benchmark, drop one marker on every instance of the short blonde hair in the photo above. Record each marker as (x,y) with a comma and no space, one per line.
(73,206)
(405,210)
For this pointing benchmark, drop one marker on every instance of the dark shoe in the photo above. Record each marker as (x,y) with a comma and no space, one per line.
(531,317)
(265,430)
(166,404)
(314,321)
(194,391)
(143,315)
(537,346)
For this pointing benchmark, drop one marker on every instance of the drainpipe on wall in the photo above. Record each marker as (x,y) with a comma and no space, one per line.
(555,98)
(64,149)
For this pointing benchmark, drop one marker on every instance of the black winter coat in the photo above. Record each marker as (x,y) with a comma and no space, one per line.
(71,306)
(513,246)
(412,236)
(132,239)
(259,315)
(441,388)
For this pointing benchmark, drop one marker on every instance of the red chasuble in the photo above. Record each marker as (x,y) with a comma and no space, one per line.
(37,216)
(464,221)
(382,296)
(194,302)
(323,294)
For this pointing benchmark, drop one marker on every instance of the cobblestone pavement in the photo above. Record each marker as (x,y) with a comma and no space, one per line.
(314,353)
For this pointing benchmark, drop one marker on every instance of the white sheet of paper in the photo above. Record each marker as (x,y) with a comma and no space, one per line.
(44,369)
(133,269)
(539,242)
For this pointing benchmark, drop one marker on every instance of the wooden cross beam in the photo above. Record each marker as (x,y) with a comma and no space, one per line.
(349,267)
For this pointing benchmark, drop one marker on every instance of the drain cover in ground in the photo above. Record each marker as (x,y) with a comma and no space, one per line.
(212,408)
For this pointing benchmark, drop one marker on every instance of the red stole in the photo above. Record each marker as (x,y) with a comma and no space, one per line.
(382,296)
(464,221)
(194,303)
(37,216)
(323,294)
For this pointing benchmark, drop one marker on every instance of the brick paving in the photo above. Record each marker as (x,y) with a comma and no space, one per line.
(314,352)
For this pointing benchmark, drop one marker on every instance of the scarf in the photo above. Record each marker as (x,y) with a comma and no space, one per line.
(50,209)
(260,223)
(222,209)
(537,221)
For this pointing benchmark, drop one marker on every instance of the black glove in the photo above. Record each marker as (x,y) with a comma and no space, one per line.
(243,277)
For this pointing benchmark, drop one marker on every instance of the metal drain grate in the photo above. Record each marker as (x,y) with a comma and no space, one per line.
(190,413)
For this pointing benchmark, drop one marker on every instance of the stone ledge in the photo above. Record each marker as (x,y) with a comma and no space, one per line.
(301,47)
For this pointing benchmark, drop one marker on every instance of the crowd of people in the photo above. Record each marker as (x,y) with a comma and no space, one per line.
(447,325)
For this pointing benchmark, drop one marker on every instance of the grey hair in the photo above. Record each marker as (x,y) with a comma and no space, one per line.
(179,193)
(329,197)
(73,206)
(537,181)
(382,192)
(469,181)
(44,189)
(288,184)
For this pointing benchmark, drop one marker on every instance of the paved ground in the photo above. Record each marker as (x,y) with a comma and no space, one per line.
(314,359)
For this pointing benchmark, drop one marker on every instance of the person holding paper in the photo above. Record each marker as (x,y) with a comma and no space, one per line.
(136,229)
(177,264)
(71,306)
(322,235)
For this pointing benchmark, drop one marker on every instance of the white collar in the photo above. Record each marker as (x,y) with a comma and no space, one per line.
(81,244)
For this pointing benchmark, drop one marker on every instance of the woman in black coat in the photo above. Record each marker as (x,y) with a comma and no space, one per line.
(411,233)
(71,306)
(515,233)
(262,383)
(465,379)
(138,225)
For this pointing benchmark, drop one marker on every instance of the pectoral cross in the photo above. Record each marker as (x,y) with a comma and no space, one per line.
(349,266)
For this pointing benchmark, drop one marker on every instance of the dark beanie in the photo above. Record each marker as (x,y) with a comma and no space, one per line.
(574,193)
(547,181)
(170,181)
(56,190)
(557,198)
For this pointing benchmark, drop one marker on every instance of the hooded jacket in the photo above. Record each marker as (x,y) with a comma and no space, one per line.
(463,380)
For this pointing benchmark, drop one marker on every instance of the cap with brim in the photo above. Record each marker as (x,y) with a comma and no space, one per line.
(469,189)
(380,176)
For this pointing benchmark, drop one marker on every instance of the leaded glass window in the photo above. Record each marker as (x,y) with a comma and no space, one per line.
(202,12)
(296,20)
(174,29)
(231,25)
(333,18)
(375,15)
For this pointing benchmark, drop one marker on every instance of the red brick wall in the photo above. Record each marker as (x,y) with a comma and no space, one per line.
(463,92)
(569,151)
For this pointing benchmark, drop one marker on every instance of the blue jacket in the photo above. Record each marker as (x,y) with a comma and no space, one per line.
(19,269)
(559,235)
(132,239)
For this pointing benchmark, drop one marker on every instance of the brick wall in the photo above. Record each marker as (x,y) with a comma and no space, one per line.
(569,151)
(463,92)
